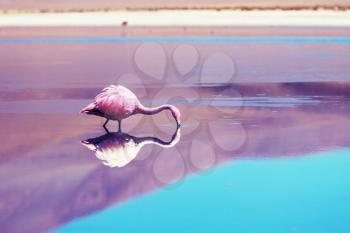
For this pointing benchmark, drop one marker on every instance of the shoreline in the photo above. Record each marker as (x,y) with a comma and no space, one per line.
(177,8)
(304,18)
(157,31)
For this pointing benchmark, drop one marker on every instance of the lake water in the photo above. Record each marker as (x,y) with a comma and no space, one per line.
(264,144)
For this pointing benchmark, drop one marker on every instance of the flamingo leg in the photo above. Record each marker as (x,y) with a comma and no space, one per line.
(119,125)
(104,125)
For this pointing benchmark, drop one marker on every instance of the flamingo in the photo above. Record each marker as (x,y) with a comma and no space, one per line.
(118,103)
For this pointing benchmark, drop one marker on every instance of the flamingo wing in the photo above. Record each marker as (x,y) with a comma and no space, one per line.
(116,102)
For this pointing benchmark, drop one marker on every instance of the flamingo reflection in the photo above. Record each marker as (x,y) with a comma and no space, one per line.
(118,149)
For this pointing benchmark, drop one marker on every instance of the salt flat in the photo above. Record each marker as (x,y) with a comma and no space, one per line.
(181,18)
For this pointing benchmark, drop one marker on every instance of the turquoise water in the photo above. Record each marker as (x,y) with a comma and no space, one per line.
(307,194)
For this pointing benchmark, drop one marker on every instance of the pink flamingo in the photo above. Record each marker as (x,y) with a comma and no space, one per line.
(118,103)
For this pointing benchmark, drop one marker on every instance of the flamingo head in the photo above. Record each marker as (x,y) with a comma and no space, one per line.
(176,114)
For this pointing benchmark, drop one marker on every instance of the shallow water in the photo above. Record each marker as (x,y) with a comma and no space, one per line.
(255,152)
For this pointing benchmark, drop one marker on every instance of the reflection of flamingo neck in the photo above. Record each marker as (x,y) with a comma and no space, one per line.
(152,140)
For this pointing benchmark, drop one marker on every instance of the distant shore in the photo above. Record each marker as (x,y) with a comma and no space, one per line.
(319,18)
(179,8)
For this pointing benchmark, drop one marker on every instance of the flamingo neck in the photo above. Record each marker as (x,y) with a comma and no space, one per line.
(151,111)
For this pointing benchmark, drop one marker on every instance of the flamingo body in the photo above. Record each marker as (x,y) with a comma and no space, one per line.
(115,103)
(118,103)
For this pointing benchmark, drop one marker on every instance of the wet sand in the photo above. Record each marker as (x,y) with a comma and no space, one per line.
(157,31)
